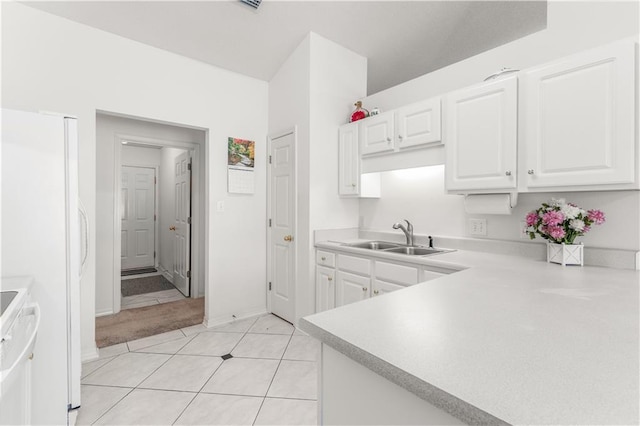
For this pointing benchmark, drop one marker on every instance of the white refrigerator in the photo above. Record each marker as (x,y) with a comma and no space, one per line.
(43,236)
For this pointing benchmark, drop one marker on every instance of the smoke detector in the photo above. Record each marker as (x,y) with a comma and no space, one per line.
(253,3)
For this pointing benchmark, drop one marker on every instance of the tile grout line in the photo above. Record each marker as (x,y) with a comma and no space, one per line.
(196,393)
(212,374)
(273,378)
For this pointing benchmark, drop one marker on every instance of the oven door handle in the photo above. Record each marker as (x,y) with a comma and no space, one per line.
(33,309)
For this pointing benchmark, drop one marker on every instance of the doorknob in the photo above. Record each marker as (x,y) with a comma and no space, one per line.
(172,228)
(288,238)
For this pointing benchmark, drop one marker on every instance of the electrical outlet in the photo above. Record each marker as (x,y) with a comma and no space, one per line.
(478,226)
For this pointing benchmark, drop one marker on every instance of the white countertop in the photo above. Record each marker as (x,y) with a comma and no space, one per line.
(508,339)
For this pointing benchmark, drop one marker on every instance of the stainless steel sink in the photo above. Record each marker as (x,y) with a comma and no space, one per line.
(388,247)
(414,251)
(375,245)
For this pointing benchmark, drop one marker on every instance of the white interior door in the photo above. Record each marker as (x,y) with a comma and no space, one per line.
(282,219)
(182,224)
(138,217)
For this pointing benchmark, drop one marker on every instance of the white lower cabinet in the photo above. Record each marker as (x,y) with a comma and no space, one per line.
(382,287)
(344,278)
(351,288)
(325,288)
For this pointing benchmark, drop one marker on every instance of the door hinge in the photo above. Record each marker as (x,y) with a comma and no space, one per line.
(155,180)
(269,223)
(188,274)
(189,220)
(154,217)
(269,159)
(189,166)
(154,254)
(269,285)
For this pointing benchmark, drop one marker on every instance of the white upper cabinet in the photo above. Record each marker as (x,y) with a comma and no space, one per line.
(348,160)
(480,137)
(418,124)
(414,125)
(577,122)
(377,133)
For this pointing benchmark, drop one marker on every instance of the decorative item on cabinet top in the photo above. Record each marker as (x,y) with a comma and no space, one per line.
(359,113)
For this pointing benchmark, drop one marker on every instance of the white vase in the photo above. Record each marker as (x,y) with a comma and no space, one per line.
(565,254)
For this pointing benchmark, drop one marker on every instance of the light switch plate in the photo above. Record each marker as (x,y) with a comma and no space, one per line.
(220,206)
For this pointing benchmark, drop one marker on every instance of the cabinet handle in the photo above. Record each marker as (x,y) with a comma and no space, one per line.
(389,140)
(530,171)
(364,289)
(353,185)
(508,173)
(400,138)
(329,279)
(376,292)
(323,258)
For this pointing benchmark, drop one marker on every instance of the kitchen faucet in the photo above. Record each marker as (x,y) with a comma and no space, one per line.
(408,231)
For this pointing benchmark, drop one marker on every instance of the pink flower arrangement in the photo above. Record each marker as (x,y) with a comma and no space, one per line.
(561,222)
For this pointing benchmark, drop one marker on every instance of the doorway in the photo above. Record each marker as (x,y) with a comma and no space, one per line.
(155,210)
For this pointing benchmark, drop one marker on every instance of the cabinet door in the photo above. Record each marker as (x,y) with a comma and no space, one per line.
(578,120)
(348,160)
(480,136)
(418,124)
(351,288)
(383,287)
(376,133)
(325,288)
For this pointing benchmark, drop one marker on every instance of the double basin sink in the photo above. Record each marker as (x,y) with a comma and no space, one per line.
(388,247)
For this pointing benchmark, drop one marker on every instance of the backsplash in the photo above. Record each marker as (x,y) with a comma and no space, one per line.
(418,195)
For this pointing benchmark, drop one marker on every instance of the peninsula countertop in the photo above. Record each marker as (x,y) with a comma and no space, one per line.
(505,340)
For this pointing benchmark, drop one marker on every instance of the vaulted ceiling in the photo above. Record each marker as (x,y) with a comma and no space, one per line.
(401,39)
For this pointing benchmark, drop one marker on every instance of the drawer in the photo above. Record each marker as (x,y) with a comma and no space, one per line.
(354,264)
(325,258)
(396,273)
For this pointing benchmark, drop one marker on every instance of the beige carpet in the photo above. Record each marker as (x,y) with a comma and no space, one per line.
(136,323)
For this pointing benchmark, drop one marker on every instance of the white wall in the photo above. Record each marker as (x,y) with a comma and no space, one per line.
(166,182)
(50,63)
(312,91)
(135,155)
(338,78)
(108,127)
(572,27)
(289,100)
(418,195)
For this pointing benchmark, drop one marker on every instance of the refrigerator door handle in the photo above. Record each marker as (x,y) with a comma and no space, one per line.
(84,235)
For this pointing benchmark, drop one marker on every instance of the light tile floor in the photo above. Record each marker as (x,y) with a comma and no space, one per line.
(180,378)
(148,299)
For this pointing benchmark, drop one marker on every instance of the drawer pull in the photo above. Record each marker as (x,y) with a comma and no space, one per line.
(329,279)
(323,258)
(376,292)
(364,289)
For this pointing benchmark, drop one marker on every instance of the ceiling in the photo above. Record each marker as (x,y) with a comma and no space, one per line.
(401,39)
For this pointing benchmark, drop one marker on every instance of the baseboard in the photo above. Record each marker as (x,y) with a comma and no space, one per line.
(229,318)
(91,354)
(165,273)
(104,313)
